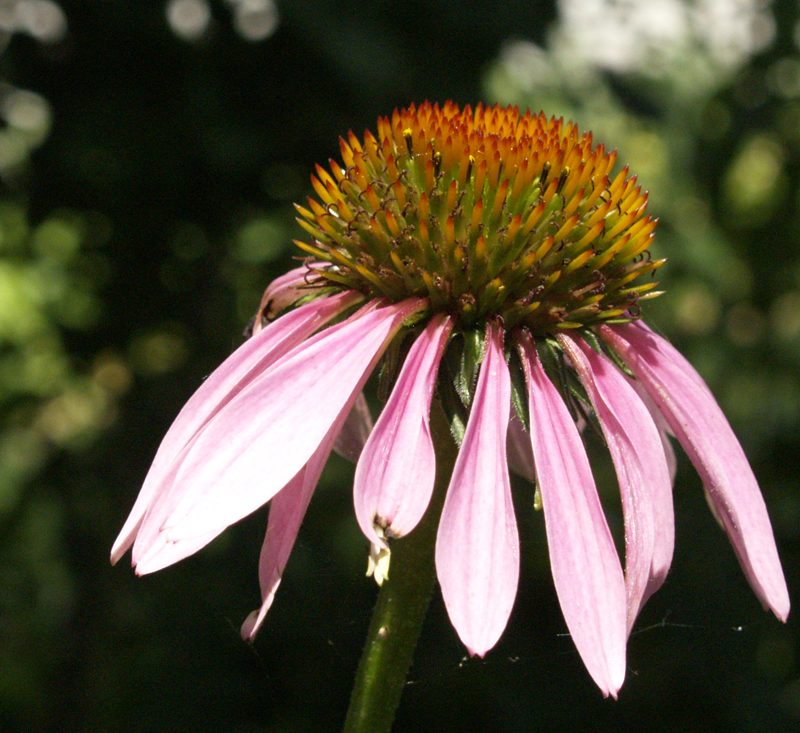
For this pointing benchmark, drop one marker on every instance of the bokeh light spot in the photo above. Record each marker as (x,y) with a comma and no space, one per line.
(159,351)
(755,182)
(188,19)
(260,240)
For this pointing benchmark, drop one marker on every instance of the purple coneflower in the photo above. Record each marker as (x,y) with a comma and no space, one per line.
(489,260)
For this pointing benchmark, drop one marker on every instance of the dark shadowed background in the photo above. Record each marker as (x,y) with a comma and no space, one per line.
(150,153)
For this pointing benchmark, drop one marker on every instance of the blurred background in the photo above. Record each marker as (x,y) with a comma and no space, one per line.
(149,157)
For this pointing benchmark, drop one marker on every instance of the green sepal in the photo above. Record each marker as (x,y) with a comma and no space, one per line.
(392,361)
(450,365)
(317,293)
(416,317)
(314,293)
(471,358)
(454,408)
(519,390)
(569,385)
(579,402)
(462,358)
(552,356)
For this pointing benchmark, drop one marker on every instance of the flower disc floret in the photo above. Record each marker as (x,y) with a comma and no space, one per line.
(488,213)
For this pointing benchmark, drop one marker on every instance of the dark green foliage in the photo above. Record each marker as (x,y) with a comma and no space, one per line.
(140,234)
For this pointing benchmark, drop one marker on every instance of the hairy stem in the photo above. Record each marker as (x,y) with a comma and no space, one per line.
(402,603)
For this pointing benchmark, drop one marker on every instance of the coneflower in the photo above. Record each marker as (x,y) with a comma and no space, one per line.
(490,261)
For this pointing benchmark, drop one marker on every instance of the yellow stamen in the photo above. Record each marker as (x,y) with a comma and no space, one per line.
(391,222)
(567,227)
(477,213)
(347,153)
(581,259)
(500,199)
(590,236)
(533,219)
(424,212)
(372,198)
(450,232)
(452,192)
(514,227)
(544,248)
(399,193)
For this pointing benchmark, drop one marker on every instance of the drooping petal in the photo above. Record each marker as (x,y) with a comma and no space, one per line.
(163,554)
(477,545)
(153,549)
(234,374)
(663,429)
(700,426)
(396,472)
(270,429)
(520,455)
(286,512)
(355,431)
(282,292)
(586,568)
(642,473)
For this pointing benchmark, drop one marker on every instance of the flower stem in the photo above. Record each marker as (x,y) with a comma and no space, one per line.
(402,603)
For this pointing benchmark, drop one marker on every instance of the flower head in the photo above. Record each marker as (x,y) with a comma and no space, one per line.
(491,260)
(489,214)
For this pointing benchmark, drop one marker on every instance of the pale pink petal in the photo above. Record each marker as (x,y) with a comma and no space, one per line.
(642,473)
(286,513)
(287,510)
(397,469)
(235,373)
(355,431)
(477,546)
(282,292)
(520,455)
(663,429)
(271,428)
(698,423)
(150,545)
(162,554)
(662,501)
(153,548)
(585,565)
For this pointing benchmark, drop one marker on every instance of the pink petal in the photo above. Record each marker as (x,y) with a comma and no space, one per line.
(269,430)
(355,431)
(663,429)
(153,548)
(395,475)
(586,568)
(698,423)
(162,554)
(643,476)
(286,513)
(520,455)
(282,292)
(237,371)
(477,546)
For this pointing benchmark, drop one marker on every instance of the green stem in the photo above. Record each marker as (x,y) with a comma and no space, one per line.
(402,603)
